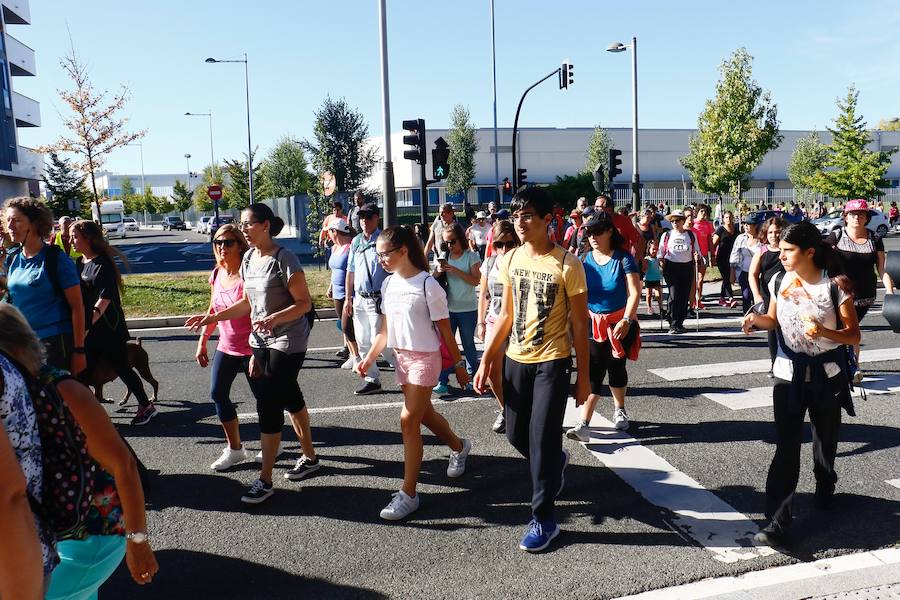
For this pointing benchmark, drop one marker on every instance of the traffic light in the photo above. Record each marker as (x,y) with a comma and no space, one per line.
(507,187)
(615,161)
(566,75)
(522,177)
(440,159)
(416,140)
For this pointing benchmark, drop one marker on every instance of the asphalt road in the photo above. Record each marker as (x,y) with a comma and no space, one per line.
(630,523)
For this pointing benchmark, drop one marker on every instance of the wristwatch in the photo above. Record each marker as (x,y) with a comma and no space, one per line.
(138,537)
(460,364)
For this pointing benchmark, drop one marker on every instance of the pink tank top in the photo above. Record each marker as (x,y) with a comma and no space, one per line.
(234,335)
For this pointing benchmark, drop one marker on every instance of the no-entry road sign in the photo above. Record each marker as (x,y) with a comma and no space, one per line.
(214,192)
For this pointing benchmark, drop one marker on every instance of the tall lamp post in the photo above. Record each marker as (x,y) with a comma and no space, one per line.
(390,194)
(212,155)
(187,159)
(635,173)
(141,146)
(247,90)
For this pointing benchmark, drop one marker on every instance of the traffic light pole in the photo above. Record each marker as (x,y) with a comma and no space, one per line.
(423,190)
(390,195)
(515,133)
(635,175)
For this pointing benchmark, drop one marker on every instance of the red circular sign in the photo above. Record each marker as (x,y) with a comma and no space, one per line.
(214,192)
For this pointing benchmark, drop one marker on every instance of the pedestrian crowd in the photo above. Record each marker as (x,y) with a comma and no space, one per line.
(534,287)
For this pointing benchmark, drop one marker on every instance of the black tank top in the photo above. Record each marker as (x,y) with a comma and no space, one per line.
(769,266)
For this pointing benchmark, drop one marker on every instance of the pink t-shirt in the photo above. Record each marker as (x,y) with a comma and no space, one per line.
(704,231)
(234,335)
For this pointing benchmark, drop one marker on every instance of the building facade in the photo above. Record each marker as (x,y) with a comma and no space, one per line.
(20,167)
(162,185)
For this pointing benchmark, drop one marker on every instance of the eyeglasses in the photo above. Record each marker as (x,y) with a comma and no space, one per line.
(524,217)
(226,243)
(245,224)
(507,245)
(384,255)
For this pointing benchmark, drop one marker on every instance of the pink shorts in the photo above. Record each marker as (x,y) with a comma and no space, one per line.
(418,368)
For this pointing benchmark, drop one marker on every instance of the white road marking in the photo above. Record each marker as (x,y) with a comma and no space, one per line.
(686,372)
(379,406)
(699,513)
(893,482)
(739,399)
(778,576)
(167,262)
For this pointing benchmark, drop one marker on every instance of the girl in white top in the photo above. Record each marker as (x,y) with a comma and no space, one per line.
(415,310)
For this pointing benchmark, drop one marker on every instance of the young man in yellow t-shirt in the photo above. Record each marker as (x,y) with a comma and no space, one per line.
(543,314)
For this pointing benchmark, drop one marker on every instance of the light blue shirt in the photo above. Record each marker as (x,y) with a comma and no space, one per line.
(362,253)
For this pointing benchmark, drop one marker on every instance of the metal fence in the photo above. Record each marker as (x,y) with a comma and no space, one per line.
(676,196)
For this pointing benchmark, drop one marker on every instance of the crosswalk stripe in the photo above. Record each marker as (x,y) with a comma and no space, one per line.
(699,513)
(740,399)
(893,482)
(744,367)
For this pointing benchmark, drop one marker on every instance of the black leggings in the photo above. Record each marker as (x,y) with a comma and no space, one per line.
(115,354)
(58,350)
(276,389)
(603,362)
(679,277)
(346,321)
(725,271)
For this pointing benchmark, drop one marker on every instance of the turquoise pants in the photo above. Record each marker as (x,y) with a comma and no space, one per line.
(84,566)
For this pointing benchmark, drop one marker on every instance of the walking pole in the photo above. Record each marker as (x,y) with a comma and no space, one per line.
(699,291)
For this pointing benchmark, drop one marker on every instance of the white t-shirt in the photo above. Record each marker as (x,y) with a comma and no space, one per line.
(494,287)
(795,301)
(478,233)
(676,246)
(409,319)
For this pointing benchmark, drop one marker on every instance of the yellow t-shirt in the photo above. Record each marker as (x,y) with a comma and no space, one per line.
(540,330)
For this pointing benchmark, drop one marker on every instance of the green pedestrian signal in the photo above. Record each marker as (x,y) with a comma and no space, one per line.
(439,172)
(440,158)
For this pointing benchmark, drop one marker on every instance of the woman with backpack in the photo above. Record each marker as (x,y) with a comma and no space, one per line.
(766,263)
(114,523)
(745,247)
(814,320)
(233,351)
(862,257)
(489,301)
(43,284)
(614,296)
(416,319)
(723,242)
(678,255)
(341,236)
(277,299)
(107,332)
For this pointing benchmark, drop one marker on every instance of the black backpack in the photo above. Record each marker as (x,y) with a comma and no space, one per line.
(51,267)
(311,315)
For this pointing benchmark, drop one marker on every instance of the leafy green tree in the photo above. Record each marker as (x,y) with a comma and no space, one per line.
(566,190)
(154,204)
(182,197)
(319,206)
(340,133)
(66,187)
(808,158)
(211,175)
(237,189)
(128,187)
(851,170)
(463,146)
(284,172)
(735,130)
(889,124)
(598,154)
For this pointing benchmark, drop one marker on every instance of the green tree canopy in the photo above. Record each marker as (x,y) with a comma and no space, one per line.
(211,175)
(237,190)
(807,160)
(284,171)
(889,124)
(66,186)
(735,130)
(569,188)
(339,147)
(182,197)
(463,146)
(598,155)
(851,170)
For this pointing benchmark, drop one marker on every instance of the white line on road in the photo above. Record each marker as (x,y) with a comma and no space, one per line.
(168,262)
(893,482)
(699,513)
(702,371)
(739,399)
(380,406)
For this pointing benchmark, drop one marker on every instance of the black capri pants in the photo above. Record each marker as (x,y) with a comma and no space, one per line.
(603,362)
(276,390)
(346,321)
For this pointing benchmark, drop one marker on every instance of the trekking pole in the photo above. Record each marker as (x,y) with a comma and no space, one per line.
(699,291)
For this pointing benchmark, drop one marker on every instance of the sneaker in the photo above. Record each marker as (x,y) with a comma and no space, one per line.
(620,418)
(858,377)
(368,387)
(580,433)
(258,493)
(144,414)
(343,353)
(539,535)
(457,465)
(772,535)
(770,374)
(383,364)
(733,303)
(441,389)
(277,456)
(676,330)
(230,458)
(499,425)
(350,363)
(692,313)
(562,473)
(723,302)
(400,506)
(303,468)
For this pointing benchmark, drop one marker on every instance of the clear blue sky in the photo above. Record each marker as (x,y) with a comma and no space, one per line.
(806,53)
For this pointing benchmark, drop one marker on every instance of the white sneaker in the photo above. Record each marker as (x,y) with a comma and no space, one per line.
(350,363)
(400,506)
(277,456)
(580,433)
(620,418)
(457,464)
(230,458)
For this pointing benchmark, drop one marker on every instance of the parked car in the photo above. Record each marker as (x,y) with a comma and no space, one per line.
(201,224)
(131,224)
(173,223)
(214,223)
(768,214)
(878,222)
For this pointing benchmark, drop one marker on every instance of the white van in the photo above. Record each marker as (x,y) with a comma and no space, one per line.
(112,218)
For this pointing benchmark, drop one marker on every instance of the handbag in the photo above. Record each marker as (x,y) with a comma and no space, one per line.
(446,359)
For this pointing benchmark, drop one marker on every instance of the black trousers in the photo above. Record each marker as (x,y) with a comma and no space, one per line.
(276,390)
(746,292)
(58,350)
(725,271)
(784,472)
(679,276)
(535,403)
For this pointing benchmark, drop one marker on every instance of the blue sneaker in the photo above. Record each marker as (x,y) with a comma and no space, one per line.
(539,535)
(441,389)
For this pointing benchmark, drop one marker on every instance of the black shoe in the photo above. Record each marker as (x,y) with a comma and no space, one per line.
(343,353)
(303,468)
(258,493)
(770,374)
(823,498)
(383,364)
(692,313)
(772,535)
(369,387)
(677,330)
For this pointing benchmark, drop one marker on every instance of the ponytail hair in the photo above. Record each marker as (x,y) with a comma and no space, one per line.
(92,233)
(805,235)
(397,236)
(261,212)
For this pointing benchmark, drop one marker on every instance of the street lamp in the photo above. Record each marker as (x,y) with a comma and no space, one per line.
(635,173)
(212,155)
(141,146)
(247,90)
(187,160)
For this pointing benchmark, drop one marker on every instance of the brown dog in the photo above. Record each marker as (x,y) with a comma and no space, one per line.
(138,360)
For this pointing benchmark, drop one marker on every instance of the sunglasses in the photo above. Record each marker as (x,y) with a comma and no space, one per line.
(452,241)
(508,245)
(226,243)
